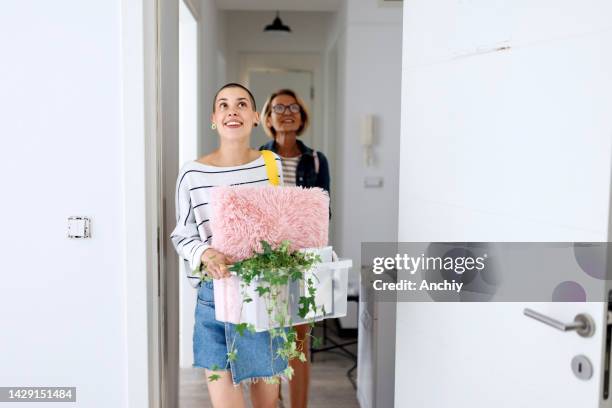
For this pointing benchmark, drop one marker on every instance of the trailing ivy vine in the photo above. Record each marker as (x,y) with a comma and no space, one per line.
(272,271)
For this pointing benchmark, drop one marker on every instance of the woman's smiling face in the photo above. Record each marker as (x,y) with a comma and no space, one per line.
(234,114)
(287,121)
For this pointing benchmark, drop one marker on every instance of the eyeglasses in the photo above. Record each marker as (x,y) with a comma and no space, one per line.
(279,109)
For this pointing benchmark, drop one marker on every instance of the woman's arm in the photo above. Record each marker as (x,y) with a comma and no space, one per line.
(185,237)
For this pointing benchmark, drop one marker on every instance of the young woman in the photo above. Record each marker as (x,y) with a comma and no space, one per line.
(234,162)
(285,117)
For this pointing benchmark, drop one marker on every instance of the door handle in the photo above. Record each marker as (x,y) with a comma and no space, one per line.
(583,324)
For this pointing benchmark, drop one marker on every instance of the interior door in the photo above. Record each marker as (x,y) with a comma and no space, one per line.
(506,130)
(264,83)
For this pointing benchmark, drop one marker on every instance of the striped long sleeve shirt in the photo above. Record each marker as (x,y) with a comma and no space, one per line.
(192,234)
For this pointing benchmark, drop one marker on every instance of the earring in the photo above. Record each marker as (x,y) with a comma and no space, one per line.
(213,126)
(255,124)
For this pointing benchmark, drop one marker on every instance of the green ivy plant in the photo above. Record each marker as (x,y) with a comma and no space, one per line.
(272,270)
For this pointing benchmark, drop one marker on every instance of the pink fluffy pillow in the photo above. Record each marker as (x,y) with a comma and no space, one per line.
(242,216)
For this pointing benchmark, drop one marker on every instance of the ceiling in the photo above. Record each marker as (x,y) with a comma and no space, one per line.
(283,5)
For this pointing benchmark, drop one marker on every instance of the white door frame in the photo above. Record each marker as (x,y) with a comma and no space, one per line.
(140,235)
(167,172)
(150,108)
(189,141)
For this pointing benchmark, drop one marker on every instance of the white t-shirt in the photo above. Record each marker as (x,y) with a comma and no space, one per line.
(289,169)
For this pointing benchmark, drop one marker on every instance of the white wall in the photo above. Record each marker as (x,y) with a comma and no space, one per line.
(222,77)
(369,52)
(63,301)
(189,115)
(370,12)
(365,46)
(212,70)
(333,99)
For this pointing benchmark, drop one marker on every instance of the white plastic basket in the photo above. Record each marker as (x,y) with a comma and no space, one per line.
(330,278)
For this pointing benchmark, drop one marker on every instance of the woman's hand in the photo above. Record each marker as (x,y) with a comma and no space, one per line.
(216,263)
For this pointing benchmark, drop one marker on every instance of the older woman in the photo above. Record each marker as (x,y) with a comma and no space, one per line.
(284,118)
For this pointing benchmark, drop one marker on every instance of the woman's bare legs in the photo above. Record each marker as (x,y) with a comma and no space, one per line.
(264,395)
(298,386)
(223,393)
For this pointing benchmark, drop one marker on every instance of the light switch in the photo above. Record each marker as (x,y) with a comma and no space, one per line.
(79,227)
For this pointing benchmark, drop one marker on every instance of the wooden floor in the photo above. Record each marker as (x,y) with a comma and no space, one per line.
(329,387)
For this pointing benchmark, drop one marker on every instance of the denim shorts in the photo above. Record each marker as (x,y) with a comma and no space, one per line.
(256,353)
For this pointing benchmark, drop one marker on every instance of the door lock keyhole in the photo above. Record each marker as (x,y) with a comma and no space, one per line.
(582,367)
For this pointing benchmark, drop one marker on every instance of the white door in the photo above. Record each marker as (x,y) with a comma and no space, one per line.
(264,83)
(506,130)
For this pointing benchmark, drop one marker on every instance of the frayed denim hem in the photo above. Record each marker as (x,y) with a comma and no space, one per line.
(274,379)
(279,378)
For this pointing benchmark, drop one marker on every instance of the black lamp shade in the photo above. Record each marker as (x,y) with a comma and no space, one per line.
(277,26)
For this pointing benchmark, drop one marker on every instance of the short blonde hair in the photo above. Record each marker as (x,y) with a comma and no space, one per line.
(266,112)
